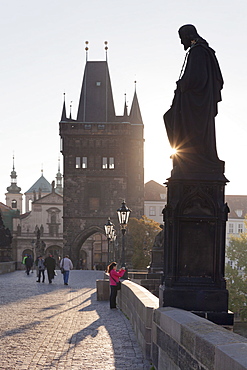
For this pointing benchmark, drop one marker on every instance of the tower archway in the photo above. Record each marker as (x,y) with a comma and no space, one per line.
(89,249)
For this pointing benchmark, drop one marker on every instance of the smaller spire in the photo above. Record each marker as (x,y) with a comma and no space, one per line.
(64,116)
(125,107)
(59,180)
(135,112)
(86,48)
(106,48)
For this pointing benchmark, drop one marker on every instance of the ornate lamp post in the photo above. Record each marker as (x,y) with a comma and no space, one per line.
(108,232)
(114,237)
(123,217)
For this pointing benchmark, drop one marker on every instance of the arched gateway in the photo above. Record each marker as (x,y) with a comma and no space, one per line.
(89,249)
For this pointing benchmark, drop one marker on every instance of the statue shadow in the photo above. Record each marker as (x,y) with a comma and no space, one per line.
(117,327)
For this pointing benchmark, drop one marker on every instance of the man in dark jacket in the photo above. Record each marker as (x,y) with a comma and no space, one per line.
(50,265)
(28,263)
(190,123)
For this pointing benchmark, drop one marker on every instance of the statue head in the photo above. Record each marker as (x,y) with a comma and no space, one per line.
(188,33)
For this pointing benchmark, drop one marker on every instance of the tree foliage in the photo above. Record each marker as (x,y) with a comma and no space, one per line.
(142,233)
(236,275)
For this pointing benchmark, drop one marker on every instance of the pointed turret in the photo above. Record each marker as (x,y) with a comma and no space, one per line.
(96,100)
(125,115)
(64,116)
(135,112)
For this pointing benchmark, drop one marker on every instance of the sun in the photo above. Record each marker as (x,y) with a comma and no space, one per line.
(174,151)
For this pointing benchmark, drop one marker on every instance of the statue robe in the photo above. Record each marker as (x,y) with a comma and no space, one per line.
(190,123)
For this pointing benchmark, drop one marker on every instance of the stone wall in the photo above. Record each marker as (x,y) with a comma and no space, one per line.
(138,304)
(175,339)
(6,267)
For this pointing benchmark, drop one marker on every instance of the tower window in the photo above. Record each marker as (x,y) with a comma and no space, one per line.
(104,163)
(108,163)
(98,83)
(111,163)
(14,204)
(87,127)
(84,162)
(78,162)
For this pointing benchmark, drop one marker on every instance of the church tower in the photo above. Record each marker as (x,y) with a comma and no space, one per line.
(14,196)
(103,159)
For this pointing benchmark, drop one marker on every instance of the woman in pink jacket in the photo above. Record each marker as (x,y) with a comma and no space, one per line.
(114,279)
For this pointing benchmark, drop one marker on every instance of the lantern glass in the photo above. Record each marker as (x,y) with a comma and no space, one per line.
(123,214)
(108,228)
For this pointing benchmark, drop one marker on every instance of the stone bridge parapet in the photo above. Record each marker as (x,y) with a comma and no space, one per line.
(176,339)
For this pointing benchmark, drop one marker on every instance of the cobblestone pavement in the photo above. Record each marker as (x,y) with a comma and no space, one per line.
(52,326)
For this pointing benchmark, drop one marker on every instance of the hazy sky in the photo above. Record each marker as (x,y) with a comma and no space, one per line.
(43,56)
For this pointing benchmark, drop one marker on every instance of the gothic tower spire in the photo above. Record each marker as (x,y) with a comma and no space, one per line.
(64,116)
(96,100)
(135,112)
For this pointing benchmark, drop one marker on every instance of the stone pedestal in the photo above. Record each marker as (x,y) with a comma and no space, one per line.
(157,260)
(103,290)
(195,222)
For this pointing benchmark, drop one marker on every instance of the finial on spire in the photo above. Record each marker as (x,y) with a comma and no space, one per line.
(13,161)
(86,48)
(58,164)
(42,169)
(70,107)
(135,84)
(106,48)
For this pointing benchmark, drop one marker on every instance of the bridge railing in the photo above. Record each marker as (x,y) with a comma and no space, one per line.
(176,339)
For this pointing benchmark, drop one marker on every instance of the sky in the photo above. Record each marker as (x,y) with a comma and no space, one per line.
(43,57)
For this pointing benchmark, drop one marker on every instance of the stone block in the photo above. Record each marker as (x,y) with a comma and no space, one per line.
(231,356)
(103,290)
(164,362)
(188,339)
(155,354)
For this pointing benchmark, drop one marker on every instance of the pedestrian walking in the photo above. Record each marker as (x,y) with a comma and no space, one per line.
(28,263)
(67,265)
(114,280)
(41,269)
(50,265)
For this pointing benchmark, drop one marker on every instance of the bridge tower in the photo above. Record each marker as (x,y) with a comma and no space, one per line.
(103,159)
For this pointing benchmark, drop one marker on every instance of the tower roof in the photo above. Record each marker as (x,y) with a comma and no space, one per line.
(41,184)
(64,117)
(96,100)
(135,112)
(13,188)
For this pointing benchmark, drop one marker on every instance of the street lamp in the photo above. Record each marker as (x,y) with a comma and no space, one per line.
(123,217)
(108,231)
(113,240)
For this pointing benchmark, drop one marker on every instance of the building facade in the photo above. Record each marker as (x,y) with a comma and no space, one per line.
(103,160)
(155,199)
(40,229)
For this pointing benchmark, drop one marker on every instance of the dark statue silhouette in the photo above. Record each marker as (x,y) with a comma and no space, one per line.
(196,213)
(190,122)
